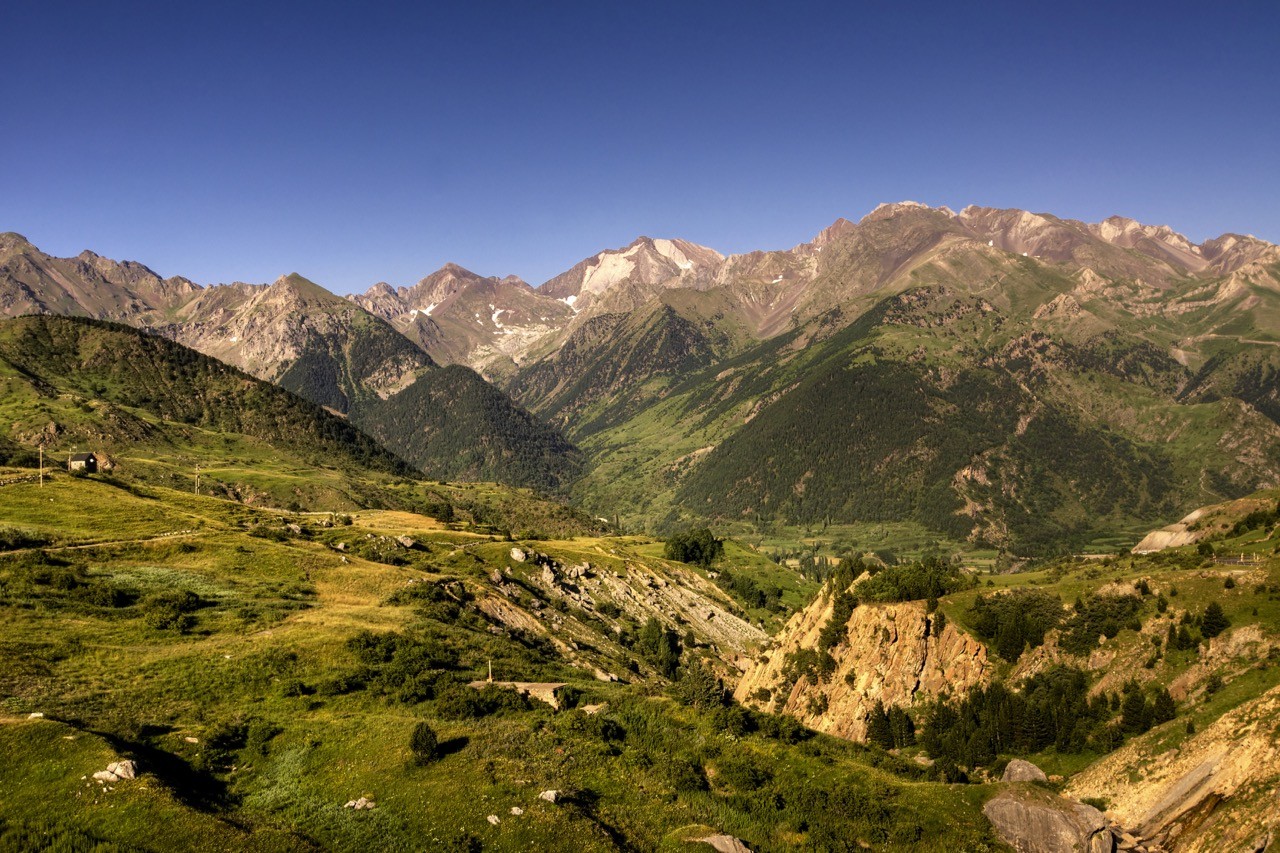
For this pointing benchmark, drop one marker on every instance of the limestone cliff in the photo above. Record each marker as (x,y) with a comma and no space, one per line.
(1214,791)
(888,653)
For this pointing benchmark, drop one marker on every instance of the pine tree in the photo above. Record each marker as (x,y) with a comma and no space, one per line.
(1163,708)
(1214,621)
(879,731)
(1135,713)
(902,728)
(1011,639)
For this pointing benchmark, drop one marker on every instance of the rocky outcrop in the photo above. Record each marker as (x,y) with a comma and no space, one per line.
(889,654)
(1175,797)
(1173,536)
(117,771)
(724,844)
(1023,771)
(1204,523)
(1034,821)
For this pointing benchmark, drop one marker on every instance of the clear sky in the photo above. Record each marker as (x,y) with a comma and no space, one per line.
(359,142)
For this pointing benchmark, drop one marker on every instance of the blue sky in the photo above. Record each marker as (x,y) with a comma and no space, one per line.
(363,142)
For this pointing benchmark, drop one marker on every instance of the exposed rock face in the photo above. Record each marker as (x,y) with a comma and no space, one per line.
(1039,822)
(1177,792)
(459,317)
(1173,536)
(889,654)
(1201,524)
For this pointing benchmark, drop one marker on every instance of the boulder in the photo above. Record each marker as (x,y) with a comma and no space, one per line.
(1048,824)
(725,844)
(116,771)
(360,804)
(518,555)
(406,542)
(494,819)
(517,811)
(124,769)
(1023,771)
(549,796)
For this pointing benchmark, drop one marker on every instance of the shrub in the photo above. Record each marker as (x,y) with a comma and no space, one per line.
(424,744)
(171,611)
(684,774)
(743,772)
(699,687)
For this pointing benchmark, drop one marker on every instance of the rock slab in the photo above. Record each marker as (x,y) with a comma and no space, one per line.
(1042,825)
(725,844)
(1023,771)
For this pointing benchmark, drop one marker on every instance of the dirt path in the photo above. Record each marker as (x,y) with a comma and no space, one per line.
(163,537)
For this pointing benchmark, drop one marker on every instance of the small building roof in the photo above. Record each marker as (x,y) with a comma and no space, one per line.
(82,457)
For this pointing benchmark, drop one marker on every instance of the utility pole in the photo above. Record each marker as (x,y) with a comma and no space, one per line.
(197,479)
(491,670)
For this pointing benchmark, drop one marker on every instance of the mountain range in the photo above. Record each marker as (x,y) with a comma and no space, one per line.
(1001,376)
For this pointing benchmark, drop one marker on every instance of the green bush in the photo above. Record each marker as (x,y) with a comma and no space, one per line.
(171,610)
(697,546)
(423,744)
(699,687)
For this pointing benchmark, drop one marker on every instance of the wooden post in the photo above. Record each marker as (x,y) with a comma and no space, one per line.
(42,466)
(491,670)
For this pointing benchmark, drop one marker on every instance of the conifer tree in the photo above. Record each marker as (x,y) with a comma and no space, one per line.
(879,732)
(1214,621)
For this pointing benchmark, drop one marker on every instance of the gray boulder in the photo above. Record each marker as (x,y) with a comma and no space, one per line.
(1048,824)
(116,771)
(1023,771)
(725,844)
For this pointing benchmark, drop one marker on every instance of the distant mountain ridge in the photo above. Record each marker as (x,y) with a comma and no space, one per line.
(702,386)
(327,349)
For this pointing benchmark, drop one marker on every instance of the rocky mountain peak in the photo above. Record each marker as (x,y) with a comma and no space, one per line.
(13,241)
(297,287)
(833,232)
(1126,232)
(887,210)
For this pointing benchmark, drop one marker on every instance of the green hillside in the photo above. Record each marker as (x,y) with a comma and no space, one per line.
(264,675)
(452,424)
(994,424)
(117,387)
